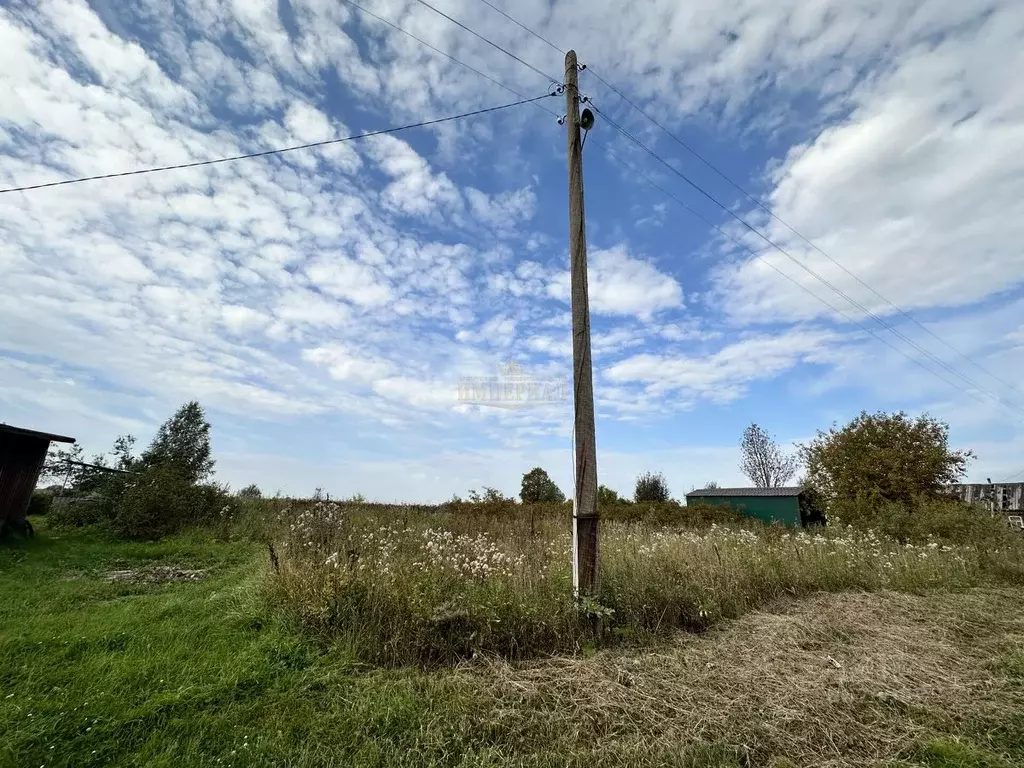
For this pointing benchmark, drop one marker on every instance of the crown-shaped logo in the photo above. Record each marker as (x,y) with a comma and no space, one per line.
(511,370)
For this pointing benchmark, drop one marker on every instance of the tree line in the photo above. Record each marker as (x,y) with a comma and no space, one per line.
(877,468)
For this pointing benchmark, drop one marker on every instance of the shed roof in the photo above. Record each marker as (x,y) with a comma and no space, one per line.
(22,432)
(716,492)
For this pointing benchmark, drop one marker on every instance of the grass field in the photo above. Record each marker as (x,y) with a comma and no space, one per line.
(96,672)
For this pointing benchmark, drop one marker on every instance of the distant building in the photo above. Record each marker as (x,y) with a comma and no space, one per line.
(998,497)
(789,506)
(22,453)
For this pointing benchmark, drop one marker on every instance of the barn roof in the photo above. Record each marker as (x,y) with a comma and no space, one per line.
(717,492)
(22,432)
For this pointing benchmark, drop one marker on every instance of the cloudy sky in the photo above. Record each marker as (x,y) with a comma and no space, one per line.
(324,304)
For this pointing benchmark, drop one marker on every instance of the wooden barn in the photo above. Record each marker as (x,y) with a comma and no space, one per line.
(22,453)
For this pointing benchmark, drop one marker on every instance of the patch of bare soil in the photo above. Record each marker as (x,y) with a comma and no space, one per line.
(155,574)
(830,680)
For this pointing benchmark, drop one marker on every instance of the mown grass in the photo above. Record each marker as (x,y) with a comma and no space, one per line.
(94,673)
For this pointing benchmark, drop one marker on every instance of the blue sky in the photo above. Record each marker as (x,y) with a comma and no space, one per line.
(323,304)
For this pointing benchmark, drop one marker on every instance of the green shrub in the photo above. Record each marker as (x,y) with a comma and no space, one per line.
(671,513)
(162,501)
(651,486)
(251,491)
(923,518)
(40,503)
(75,510)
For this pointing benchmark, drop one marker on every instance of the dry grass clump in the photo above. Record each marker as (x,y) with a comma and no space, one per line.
(424,588)
(832,680)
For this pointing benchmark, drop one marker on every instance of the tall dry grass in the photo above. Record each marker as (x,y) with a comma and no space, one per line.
(407,586)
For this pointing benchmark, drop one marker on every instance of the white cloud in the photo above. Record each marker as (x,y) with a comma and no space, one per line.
(345,365)
(919,191)
(286,286)
(620,284)
(723,375)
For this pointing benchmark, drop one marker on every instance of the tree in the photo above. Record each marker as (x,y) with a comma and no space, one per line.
(763,461)
(892,457)
(607,497)
(538,487)
(123,446)
(183,442)
(489,496)
(251,491)
(651,486)
(56,466)
(711,485)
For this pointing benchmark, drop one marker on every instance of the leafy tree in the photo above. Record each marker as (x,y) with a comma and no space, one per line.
(183,442)
(891,457)
(651,486)
(490,495)
(763,461)
(538,487)
(56,466)
(251,492)
(711,484)
(124,458)
(607,497)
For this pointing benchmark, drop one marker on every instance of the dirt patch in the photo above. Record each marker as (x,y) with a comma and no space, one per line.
(154,574)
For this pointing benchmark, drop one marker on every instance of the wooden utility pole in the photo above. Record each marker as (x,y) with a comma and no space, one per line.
(584,508)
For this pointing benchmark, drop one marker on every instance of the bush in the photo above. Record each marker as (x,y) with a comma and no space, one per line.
(80,509)
(651,486)
(250,492)
(922,519)
(40,503)
(606,497)
(673,514)
(162,501)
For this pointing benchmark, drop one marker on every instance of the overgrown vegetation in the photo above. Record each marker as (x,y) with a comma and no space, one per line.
(889,472)
(156,494)
(427,588)
(102,672)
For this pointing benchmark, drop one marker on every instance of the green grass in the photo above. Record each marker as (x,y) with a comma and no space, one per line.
(94,673)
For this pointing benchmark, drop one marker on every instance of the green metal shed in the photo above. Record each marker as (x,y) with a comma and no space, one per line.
(789,506)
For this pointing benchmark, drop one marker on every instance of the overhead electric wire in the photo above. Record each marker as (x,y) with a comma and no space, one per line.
(796,261)
(1014,476)
(281,150)
(800,235)
(447,55)
(801,286)
(522,26)
(758,203)
(489,42)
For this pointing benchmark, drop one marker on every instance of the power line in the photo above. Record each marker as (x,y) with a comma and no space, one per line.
(801,286)
(1013,477)
(793,229)
(279,151)
(758,203)
(489,42)
(522,26)
(792,258)
(447,55)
